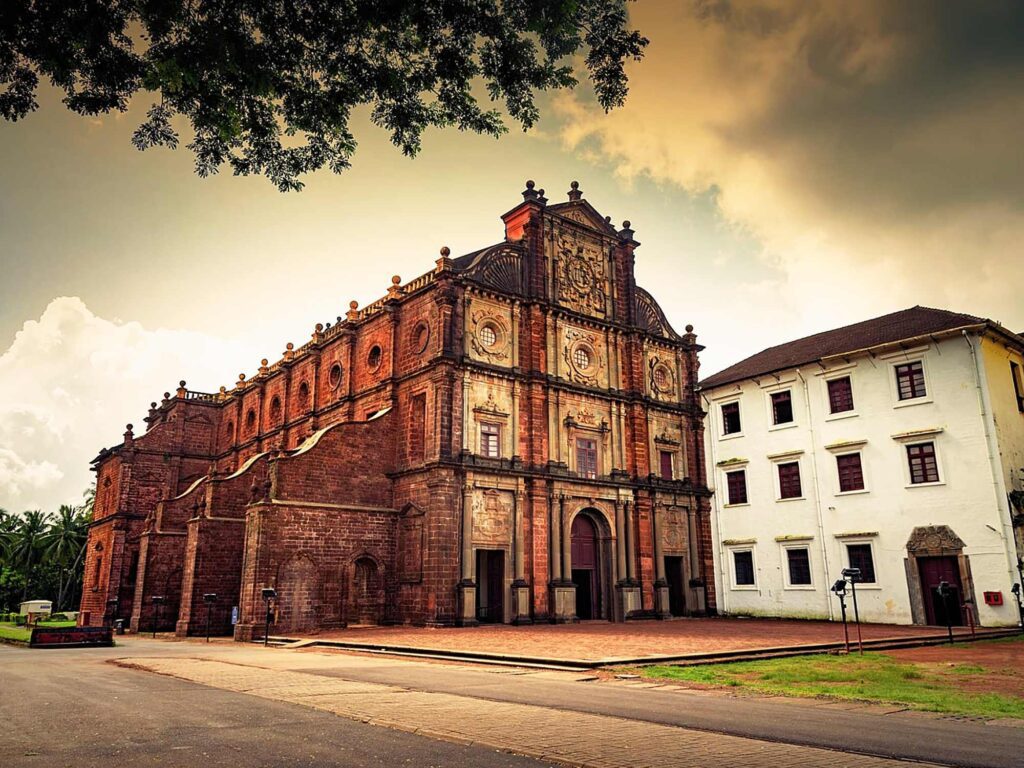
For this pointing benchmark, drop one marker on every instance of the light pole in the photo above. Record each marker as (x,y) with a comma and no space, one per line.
(269,593)
(209,598)
(840,590)
(158,600)
(853,575)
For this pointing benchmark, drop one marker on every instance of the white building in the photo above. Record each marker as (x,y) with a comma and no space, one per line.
(895,445)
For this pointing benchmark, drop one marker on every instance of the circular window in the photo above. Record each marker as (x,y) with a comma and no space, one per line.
(334,376)
(660,377)
(581,358)
(373,360)
(420,337)
(488,335)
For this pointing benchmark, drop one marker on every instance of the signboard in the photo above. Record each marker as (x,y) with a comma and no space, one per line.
(57,637)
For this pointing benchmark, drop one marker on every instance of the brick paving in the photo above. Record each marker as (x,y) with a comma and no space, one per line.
(568,738)
(602,640)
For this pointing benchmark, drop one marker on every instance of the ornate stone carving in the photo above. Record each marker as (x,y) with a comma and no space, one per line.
(582,274)
(583,358)
(490,406)
(675,533)
(492,518)
(489,335)
(933,539)
(662,378)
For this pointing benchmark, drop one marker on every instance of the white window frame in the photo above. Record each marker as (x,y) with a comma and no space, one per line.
(784,547)
(894,390)
(770,411)
(721,417)
(844,542)
(792,458)
(480,437)
(846,374)
(732,550)
(863,472)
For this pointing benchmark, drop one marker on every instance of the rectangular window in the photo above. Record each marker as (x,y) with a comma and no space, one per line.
(737,485)
(859,556)
(490,441)
(1018,385)
(840,395)
(744,565)
(782,407)
(851,474)
(666,465)
(731,418)
(799,561)
(789,481)
(910,380)
(923,466)
(586,458)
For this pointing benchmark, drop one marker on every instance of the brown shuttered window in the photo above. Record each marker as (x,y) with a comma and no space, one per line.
(789,481)
(1018,385)
(731,418)
(666,465)
(910,381)
(744,565)
(860,557)
(737,485)
(490,441)
(923,466)
(782,407)
(851,474)
(840,395)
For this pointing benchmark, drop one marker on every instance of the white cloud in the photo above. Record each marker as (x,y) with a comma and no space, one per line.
(69,383)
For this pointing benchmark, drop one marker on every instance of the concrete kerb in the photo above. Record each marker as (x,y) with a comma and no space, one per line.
(540,662)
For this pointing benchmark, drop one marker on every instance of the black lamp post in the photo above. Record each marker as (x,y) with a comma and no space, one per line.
(209,598)
(944,593)
(112,610)
(158,600)
(1020,605)
(839,588)
(269,593)
(853,575)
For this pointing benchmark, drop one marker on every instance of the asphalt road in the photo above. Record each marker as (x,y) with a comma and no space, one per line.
(912,736)
(69,708)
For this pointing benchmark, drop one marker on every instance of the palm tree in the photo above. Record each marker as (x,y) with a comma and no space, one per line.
(8,523)
(28,544)
(64,544)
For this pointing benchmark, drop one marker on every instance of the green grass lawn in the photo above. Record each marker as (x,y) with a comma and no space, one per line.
(10,631)
(871,677)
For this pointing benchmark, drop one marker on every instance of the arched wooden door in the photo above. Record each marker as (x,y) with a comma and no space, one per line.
(586,567)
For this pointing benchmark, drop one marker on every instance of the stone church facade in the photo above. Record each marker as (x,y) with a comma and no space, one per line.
(512,437)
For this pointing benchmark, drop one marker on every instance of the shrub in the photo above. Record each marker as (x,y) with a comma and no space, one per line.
(20,620)
(57,617)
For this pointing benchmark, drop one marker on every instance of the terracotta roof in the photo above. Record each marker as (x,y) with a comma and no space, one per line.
(897,326)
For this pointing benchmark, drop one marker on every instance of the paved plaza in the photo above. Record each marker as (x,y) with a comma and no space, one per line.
(607,642)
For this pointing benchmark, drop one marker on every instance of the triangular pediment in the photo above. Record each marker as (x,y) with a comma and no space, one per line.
(583,213)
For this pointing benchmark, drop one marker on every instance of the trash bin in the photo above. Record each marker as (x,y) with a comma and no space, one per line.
(119,626)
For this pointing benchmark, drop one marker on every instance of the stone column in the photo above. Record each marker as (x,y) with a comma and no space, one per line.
(562,589)
(467,587)
(696,595)
(465,412)
(515,420)
(520,587)
(661,596)
(566,545)
(555,539)
(630,543)
(620,542)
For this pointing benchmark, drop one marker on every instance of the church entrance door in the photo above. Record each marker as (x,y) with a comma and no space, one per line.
(586,571)
(490,585)
(676,578)
(367,591)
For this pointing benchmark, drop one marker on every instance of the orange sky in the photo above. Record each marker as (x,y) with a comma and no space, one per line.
(788,167)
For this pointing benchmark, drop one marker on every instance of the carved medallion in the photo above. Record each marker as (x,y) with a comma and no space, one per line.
(662,378)
(582,275)
(492,518)
(583,359)
(489,335)
(675,529)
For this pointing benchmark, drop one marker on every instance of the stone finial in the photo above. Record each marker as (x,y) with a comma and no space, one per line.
(444,262)
(263,366)
(289,350)
(689,329)
(530,193)
(181,391)
(353,310)
(167,396)
(223,390)
(152,406)
(241,381)
(395,289)
(574,191)
(128,434)
(626,233)
(541,199)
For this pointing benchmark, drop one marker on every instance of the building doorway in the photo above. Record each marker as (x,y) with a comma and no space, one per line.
(675,575)
(586,571)
(490,586)
(941,611)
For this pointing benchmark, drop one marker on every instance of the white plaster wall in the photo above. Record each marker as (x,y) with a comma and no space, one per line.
(966,499)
